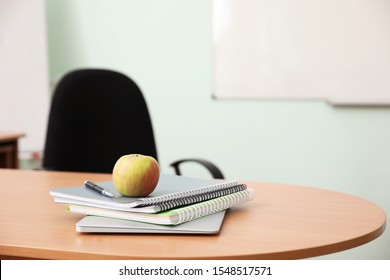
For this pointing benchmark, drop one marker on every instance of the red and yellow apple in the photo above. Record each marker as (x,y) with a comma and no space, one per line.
(135,175)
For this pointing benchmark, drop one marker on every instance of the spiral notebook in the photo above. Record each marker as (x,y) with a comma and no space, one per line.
(172,191)
(175,216)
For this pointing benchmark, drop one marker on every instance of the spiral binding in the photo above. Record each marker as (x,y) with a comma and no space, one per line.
(199,198)
(195,211)
(149,201)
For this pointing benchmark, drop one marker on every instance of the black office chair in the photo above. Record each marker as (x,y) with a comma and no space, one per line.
(97,116)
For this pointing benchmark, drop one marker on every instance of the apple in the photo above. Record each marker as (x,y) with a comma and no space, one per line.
(135,175)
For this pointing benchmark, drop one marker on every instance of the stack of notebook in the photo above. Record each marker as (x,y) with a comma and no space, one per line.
(177,205)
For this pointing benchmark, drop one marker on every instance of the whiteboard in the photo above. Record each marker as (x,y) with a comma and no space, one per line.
(333,50)
(24,82)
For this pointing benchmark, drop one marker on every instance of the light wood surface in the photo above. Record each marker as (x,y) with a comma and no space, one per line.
(9,149)
(283,222)
(10,136)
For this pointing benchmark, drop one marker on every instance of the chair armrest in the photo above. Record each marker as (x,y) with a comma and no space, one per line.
(211,167)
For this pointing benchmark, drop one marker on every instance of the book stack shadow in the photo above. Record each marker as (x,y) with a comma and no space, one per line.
(178,205)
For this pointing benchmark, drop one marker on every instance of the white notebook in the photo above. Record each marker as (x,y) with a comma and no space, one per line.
(175,216)
(207,225)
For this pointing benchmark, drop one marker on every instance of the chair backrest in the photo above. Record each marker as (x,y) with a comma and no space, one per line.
(96,116)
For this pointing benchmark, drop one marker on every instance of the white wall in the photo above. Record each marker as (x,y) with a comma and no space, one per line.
(166,47)
(24,77)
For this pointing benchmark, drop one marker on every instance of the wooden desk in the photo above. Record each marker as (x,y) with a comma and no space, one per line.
(283,222)
(9,149)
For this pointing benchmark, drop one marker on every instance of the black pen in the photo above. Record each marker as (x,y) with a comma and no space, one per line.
(98,189)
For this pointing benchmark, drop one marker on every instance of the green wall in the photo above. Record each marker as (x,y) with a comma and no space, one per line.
(165,46)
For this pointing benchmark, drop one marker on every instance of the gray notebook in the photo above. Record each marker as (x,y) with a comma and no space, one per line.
(170,188)
(207,225)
